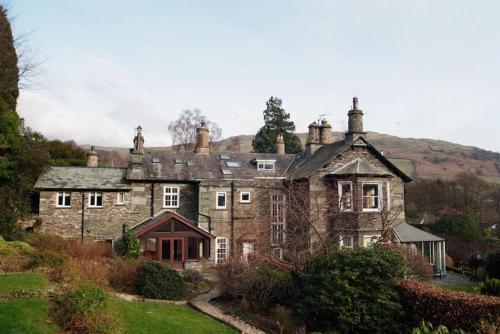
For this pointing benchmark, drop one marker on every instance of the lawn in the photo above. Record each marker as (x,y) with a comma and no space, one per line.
(470,288)
(140,317)
(31,315)
(21,281)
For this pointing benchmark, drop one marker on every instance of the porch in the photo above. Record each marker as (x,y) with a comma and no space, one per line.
(173,240)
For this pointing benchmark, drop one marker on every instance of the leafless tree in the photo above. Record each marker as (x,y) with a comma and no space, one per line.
(183,129)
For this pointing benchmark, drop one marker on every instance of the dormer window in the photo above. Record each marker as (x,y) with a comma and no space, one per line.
(265,165)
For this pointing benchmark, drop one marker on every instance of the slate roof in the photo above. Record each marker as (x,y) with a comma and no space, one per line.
(192,166)
(406,233)
(84,178)
(304,167)
(358,166)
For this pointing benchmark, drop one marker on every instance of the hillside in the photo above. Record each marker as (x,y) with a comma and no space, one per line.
(425,158)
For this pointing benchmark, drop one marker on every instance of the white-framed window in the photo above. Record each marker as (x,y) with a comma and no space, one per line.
(221,249)
(265,165)
(220,200)
(248,250)
(245,197)
(346,241)
(277,253)
(95,200)
(345,195)
(370,240)
(277,219)
(171,197)
(63,200)
(120,198)
(372,197)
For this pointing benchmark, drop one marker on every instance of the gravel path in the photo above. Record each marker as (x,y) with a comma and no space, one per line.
(202,303)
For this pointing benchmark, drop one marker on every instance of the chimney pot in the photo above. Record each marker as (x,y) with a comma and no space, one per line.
(92,158)
(202,139)
(280,144)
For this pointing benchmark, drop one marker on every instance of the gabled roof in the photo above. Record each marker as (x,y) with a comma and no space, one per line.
(304,166)
(358,166)
(404,232)
(162,217)
(83,178)
(182,166)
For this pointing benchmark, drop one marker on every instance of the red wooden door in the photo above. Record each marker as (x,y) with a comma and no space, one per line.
(172,252)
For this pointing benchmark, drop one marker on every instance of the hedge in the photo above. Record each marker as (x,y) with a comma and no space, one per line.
(454,309)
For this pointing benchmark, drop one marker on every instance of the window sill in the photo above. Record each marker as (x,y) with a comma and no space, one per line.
(95,207)
(170,207)
(372,210)
(120,204)
(245,202)
(63,207)
(221,209)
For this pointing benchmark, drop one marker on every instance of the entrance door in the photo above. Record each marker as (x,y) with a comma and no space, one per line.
(172,252)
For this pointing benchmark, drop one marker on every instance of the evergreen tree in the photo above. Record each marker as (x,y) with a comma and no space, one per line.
(276,121)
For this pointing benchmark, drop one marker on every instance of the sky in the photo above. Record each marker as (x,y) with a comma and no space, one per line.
(421,69)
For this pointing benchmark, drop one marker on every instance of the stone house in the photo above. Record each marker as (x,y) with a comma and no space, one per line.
(199,208)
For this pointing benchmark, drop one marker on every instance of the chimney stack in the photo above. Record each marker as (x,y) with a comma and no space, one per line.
(280,144)
(325,133)
(21,125)
(139,141)
(92,158)
(355,116)
(202,140)
(313,138)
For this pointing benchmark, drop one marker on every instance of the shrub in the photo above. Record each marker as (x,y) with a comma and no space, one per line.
(46,242)
(419,265)
(453,309)
(261,285)
(351,290)
(21,247)
(190,275)
(458,224)
(123,274)
(14,263)
(48,259)
(491,287)
(85,309)
(285,320)
(6,248)
(427,328)
(129,245)
(157,281)
(492,266)
(88,250)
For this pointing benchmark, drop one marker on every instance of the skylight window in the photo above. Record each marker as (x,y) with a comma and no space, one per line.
(156,160)
(224,157)
(232,164)
(226,172)
(179,161)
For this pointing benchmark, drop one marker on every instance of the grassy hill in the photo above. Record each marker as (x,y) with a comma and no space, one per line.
(424,158)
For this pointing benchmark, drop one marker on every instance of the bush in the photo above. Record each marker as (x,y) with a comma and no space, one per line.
(427,328)
(48,259)
(6,248)
(129,245)
(193,276)
(14,263)
(261,285)
(21,247)
(88,250)
(419,265)
(123,274)
(458,224)
(453,309)
(85,309)
(490,287)
(157,281)
(46,242)
(492,266)
(351,290)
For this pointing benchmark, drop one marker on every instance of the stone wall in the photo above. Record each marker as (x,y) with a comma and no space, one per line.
(98,223)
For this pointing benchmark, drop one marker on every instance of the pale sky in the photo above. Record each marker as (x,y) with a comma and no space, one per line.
(425,69)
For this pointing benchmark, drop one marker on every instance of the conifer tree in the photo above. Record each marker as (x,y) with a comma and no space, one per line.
(276,121)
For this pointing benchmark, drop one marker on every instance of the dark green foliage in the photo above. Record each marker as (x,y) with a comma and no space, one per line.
(157,281)
(458,224)
(84,309)
(276,121)
(129,246)
(9,71)
(66,153)
(492,265)
(491,287)
(351,291)
(47,259)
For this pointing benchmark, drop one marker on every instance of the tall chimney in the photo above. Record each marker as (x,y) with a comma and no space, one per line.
(138,141)
(21,125)
(313,138)
(325,133)
(355,116)
(92,158)
(280,144)
(202,142)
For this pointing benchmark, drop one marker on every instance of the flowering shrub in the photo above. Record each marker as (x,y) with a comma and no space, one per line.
(453,309)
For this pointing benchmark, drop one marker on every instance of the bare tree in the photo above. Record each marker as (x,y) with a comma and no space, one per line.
(183,129)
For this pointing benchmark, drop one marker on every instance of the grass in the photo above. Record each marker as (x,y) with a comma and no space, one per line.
(141,317)
(469,288)
(21,281)
(25,316)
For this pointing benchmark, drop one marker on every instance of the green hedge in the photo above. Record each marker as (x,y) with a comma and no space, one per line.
(157,281)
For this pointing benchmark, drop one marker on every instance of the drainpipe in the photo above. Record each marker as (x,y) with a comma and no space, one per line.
(231,250)
(83,212)
(152,199)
